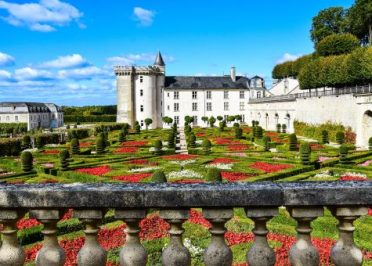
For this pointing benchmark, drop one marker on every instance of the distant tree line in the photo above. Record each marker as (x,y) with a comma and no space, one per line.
(90,114)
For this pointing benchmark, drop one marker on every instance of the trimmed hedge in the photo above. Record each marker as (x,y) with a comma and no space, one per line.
(337,44)
(80,133)
(89,118)
(13,128)
(291,68)
(10,147)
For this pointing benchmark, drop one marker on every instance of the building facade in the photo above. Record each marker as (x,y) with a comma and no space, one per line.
(146,92)
(36,115)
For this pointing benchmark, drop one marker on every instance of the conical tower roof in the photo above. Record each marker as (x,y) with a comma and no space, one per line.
(159,60)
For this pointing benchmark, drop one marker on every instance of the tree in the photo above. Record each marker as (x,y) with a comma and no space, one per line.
(189,119)
(336,44)
(360,17)
(148,121)
(219,118)
(205,119)
(231,118)
(167,120)
(212,120)
(329,21)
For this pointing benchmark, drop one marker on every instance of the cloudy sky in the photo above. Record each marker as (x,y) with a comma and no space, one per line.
(63,51)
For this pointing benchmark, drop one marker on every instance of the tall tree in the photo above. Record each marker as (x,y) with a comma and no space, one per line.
(360,16)
(329,21)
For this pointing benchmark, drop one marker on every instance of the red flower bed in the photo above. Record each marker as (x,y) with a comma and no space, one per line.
(225,141)
(200,134)
(85,144)
(272,134)
(142,162)
(270,168)
(27,223)
(134,143)
(132,178)
(223,160)
(153,227)
(98,171)
(196,217)
(316,146)
(126,150)
(179,157)
(68,215)
(235,176)
(238,147)
(51,152)
(352,178)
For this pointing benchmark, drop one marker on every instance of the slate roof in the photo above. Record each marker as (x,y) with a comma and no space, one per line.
(29,107)
(223,82)
(159,60)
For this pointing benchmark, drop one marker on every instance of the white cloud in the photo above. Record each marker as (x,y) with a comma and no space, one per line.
(132,59)
(6,60)
(143,16)
(68,61)
(89,72)
(75,86)
(28,73)
(43,16)
(287,57)
(5,75)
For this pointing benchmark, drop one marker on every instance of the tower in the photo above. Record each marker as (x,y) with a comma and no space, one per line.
(139,93)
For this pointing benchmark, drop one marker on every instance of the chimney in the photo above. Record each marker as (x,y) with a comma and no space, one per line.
(233,74)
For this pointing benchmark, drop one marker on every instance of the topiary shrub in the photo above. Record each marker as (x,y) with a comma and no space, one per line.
(75,146)
(174,127)
(100,145)
(212,120)
(284,128)
(122,136)
(26,142)
(370,143)
(39,142)
(337,44)
(187,129)
(340,137)
(278,128)
(137,128)
(158,145)
(27,161)
(64,155)
(266,141)
(214,175)
(293,142)
(258,132)
(325,137)
(222,125)
(344,150)
(206,146)
(236,124)
(192,140)
(305,152)
(158,177)
(171,138)
(238,133)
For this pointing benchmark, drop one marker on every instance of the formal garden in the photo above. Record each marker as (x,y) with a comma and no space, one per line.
(115,153)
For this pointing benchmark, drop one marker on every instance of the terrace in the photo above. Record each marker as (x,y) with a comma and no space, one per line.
(261,201)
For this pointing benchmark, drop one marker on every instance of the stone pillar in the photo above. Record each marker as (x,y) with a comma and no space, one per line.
(303,252)
(218,253)
(91,254)
(133,253)
(11,252)
(261,253)
(51,253)
(176,254)
(344,252)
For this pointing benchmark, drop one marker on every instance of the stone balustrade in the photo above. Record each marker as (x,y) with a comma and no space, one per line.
(305,202)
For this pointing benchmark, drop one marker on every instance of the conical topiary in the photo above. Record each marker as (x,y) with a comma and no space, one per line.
(258,132)
(158,177)
(325,137)
(192,140)
(266,141)
(63,157)
(158,146)
(278,128)
(100,145)
(293,142)
(206,146)
(344,150)
(39,142)
(370,143)
(26,142)
(214,175)
(171,140)
(340,137)
(27,161)
(284,128)
(122,136)
(75,146)
(238,133)
(305,152)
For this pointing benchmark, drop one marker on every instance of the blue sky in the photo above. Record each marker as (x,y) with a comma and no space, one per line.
(63,51)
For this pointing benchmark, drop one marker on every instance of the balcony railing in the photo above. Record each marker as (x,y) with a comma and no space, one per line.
(305,202)
(315,93)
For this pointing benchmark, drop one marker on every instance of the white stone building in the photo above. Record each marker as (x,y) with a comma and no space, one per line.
(146,92)
(36,115)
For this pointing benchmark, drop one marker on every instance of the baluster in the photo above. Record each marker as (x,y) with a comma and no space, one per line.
(260,253)
(303,252)
(176,254)
(91,254)
(344,252)
(218,253)
(51,253)
(132,253)
(11,252)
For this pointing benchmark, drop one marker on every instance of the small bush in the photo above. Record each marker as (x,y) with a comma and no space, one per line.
(64,155)
(340,137)
(206,146)
(266,141)
(27,161)
(336,44)
(26,142)
(171,138)
(236,124)
(238,133)
(212,120)
(370,143)
(192,140)
(325,137)
(278,128)
(158,177)
(305,152)
(100,145)
(75,146)
(39,142)
(222,125)
(258,132)
(214,175)
(122,136)
(158,145)
(293,142)
(137,129)
(284,128)
(344,150)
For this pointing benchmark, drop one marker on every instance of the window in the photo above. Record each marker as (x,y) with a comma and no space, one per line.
(176,107)
(194,94)
(168,108)
(141,79)
(176,95)
(258,94)
(243,118)
(141,108)
(177,120)
(141,92)
(141,123)
(168,94)
(16,118)
(209,106)
(226,106)
(241,106)
(195,106)
(241,94)
(195,123)
(209,95)
(225,117)
(226,95)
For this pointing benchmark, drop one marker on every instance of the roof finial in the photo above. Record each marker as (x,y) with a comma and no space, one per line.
(159,60)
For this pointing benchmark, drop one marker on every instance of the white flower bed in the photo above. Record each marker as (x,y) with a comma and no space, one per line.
(183,163)
(31,150)
(222,166)
(324,175)
(52,145)
(184,174)
(146,169)
(353,174)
